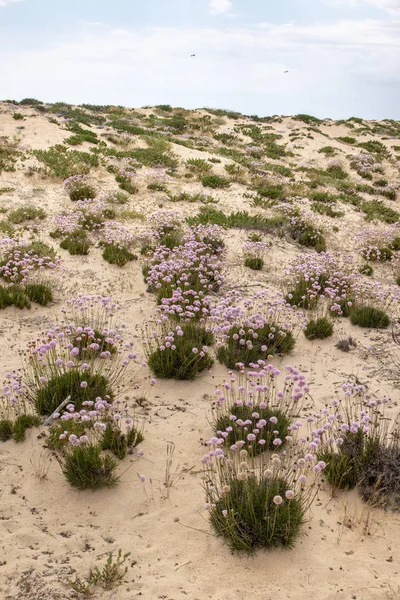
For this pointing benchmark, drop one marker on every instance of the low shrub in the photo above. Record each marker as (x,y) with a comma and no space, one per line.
(21,424)
(76,243)
(254,263)
(117,255)
(6,430)
(79,188)
(242,347)
(85,468)
(25,213)
(39,293)
(366,270)
(119,443)
(318,329)
(61,385)
(214,181)
(185,357)
(266,419)
(252,514)
(369,316)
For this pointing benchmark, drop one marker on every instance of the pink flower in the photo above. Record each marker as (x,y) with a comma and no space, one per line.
(277,500)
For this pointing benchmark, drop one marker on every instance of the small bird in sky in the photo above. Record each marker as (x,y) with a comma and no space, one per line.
(192,55)
(286,71)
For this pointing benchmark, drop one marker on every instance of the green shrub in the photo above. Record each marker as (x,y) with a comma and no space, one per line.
(237,433)
(337,172)
(119,443)
(375,209)
(233,352)
(318,329)
(375,147)
(366,270)
(13,295)
(26,213)
(328,150)
(325,209)
(125,183)
(76,242)
(253,520)
(118,255)
(84,467)
(52,393)
(198,165)
(64,163)
(347,140)
(214,181)
(310,120)
(6,430)
(39,293)
(368,316)
(82,192)
(18,116)
(241,220)
(254,263)
(182,363)
(323,197)
(21,424)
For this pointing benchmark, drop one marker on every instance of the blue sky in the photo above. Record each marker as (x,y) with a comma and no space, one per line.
(343,56)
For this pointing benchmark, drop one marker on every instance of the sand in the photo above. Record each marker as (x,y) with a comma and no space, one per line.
(49,532)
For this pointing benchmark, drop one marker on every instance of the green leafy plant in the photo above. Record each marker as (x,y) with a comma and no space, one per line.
(318,329)
(233,351)
(85,468)
(117,255)
(369,316)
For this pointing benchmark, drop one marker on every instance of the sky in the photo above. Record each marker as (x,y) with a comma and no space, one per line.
(342,56)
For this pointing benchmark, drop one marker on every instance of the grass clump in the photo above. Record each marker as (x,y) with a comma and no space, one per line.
(328,150)
(54,391)
(21,424)
(366,270)
(248,515)
(375,209)
(117,255)
(25,213)
(107,578)
(6,430)
(240,220)
(125,183)
(119,443)
(215,181)
(253,262)
(369,316)
(276,420)
(309,119)
(77,243)
(198,165)
(64,163)
(40,293)
(270,340)
(318,329)
(325,209)
(347,139)
(13,295)
(85,468)
(186,357)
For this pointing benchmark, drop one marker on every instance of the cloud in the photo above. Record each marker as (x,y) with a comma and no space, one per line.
(390,6)
(8,2)
(338,69)
(218,7)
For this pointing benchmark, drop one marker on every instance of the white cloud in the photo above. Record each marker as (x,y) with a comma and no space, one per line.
(8,2)
(391,6)
(217,7)
(337,69)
